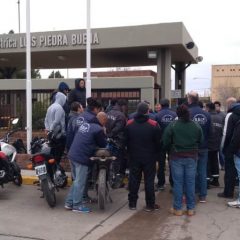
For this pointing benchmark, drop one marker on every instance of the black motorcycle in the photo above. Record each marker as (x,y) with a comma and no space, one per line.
(102,174)
(50,173)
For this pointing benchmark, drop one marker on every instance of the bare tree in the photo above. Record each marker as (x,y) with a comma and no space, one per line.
(222,93)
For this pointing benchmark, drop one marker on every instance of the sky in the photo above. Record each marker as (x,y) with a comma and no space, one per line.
(213,25)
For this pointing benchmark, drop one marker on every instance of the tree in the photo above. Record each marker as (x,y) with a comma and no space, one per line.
(222,93)
(56,74)
(14,73)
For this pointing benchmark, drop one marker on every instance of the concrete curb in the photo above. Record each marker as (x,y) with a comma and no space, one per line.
(29,178)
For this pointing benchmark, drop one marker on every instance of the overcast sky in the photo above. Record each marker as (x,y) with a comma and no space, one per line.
(213,24)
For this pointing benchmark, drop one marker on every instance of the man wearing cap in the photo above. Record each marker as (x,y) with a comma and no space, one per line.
(164,117)
(143,137)
(203,118)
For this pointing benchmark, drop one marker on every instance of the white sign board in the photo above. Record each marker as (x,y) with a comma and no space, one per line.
(176,93)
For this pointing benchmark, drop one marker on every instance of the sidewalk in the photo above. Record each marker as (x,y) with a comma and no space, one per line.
(214,220)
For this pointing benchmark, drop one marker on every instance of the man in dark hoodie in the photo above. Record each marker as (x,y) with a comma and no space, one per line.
(143,137)
(204,120)
(230,171)
(78,94)
(76,110)
(214,142)
(115,130)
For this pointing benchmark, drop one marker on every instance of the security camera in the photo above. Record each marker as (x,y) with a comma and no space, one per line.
(190,45)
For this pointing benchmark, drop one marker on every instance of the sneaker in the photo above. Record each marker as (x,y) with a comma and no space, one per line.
(235,204)
(89,200)
(151,208)
(68,207)
(222,195)
(202,200)
(82,209)
(132,206)
(191,212)
(176,212)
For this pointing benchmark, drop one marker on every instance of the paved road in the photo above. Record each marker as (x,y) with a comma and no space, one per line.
(214,220)
(24,215)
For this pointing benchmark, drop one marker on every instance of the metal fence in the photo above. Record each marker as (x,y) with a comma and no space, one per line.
(13,104)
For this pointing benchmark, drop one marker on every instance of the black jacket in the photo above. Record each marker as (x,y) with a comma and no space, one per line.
(77,95)
(143,136)
(115,124)
(231,123)
(216,131)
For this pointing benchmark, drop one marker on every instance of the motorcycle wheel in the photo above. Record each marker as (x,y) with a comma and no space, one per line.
(102,188)
(49,192)
(17,178)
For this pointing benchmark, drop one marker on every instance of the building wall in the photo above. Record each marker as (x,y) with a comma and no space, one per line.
(225,82)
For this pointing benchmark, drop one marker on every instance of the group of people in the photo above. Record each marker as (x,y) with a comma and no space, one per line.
(192,138)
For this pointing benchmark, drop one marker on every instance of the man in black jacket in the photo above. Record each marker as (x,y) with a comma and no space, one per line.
(115,130)
(231,119)
(214,142)
(78,94)
(143,137)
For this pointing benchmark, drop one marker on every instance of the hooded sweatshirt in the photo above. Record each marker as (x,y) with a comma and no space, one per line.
(55,117)
(78,94)
(230,121)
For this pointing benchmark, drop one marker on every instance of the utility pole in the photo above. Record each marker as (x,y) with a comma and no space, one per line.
(18,2)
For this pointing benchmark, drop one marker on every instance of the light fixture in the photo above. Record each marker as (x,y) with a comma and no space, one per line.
(199,59)
(152,54)
(190,45)
(61,58)
(4,59)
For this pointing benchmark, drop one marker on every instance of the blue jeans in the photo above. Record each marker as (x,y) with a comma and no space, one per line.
(183,174)
(201,176)
(79,174)
(237,166)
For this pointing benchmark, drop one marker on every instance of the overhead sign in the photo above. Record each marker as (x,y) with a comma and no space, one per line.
(50,40)
(176,93)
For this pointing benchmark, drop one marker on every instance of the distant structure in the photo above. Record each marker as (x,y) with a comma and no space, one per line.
(225,82)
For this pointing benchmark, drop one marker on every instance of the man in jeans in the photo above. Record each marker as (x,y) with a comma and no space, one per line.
(235,149)
(87,139)
(204,120)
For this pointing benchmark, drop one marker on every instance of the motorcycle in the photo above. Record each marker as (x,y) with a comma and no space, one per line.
(50,173)
(9,169)
(102,174)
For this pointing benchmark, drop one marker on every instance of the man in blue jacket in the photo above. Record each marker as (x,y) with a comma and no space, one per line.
(163,117)
(87,139)
(204,120)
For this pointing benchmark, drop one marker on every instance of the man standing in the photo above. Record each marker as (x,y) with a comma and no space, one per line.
(164,117)
(204,120)
(55,125)
(115,130)
(78,94)
(87,139)
(230,171)
(143,137)
(214,142)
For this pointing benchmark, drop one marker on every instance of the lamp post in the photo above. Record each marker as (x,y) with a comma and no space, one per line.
(18,2)
(88,51)
(28,80)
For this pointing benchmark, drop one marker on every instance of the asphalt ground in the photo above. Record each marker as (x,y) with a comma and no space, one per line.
(24,215)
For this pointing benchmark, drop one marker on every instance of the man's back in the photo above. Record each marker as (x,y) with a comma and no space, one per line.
(143,136)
